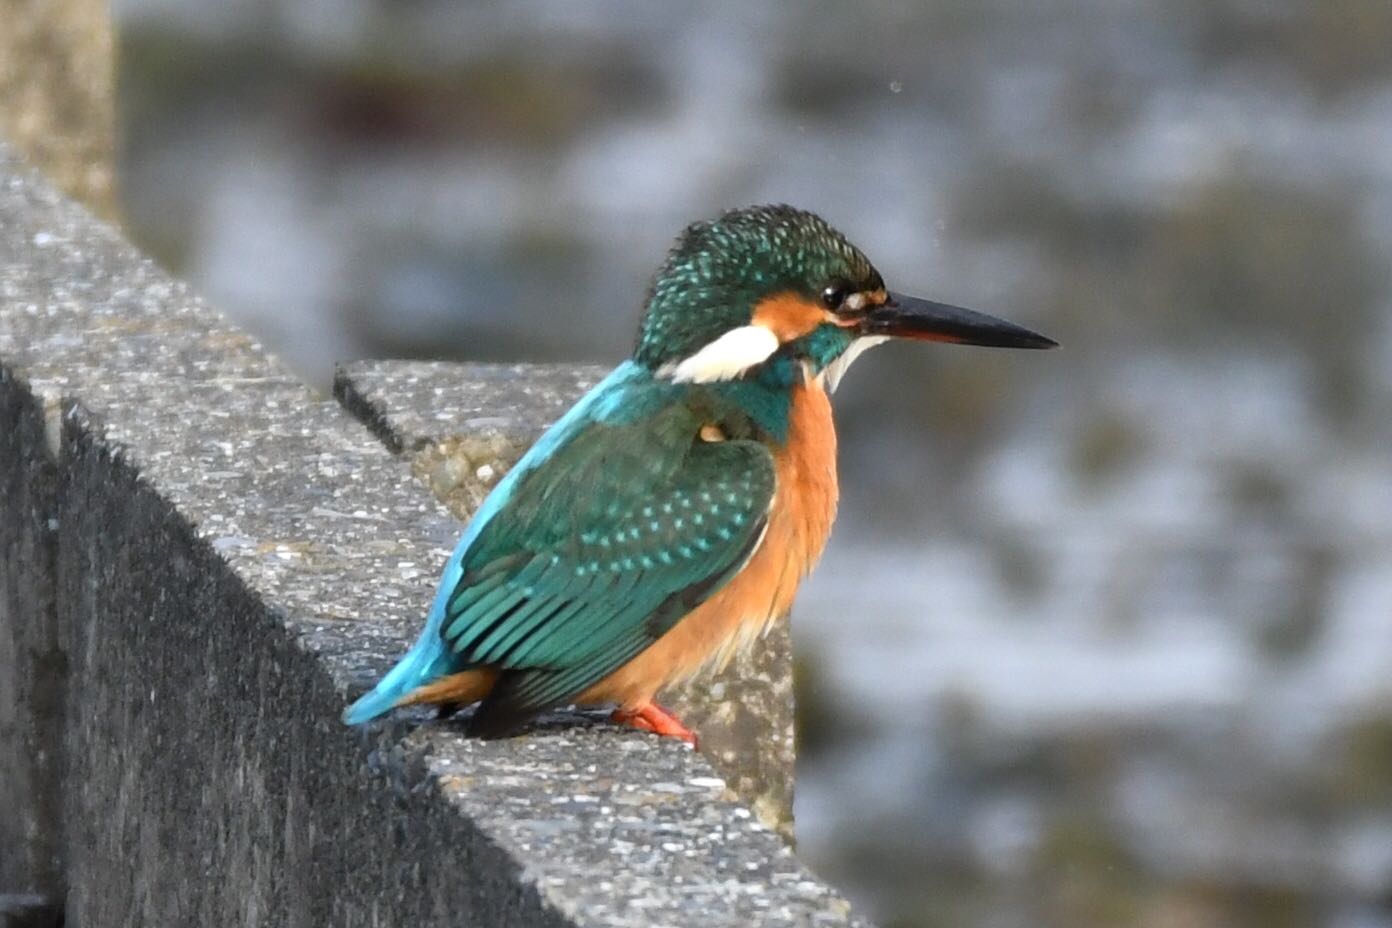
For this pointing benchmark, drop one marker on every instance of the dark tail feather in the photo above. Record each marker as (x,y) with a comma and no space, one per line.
(506,709)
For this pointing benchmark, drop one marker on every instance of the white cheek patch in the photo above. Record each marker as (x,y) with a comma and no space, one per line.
(725,358)
(837,369)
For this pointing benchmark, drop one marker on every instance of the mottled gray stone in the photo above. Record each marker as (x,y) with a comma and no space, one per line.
(411,404)
(237,558)
(464,426)
(32,666)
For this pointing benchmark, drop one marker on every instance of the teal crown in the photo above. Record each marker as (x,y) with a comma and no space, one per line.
(718,270)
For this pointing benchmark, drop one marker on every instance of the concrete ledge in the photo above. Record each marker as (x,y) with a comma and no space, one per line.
(234,559)
(463,426)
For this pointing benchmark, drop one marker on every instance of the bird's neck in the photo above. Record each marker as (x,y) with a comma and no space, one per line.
(767,399)
(759,403)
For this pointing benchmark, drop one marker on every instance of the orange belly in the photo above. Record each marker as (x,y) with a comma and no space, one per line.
(741,611)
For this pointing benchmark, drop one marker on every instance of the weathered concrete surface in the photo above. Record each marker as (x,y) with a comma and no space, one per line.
(236,559)
(32,665)
(57,97)
(464,425)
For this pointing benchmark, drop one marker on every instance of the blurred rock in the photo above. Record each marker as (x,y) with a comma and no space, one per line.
(57,93)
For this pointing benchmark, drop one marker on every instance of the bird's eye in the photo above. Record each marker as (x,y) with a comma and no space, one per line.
(834,295)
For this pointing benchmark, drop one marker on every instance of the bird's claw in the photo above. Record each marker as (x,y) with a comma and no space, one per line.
(652,717)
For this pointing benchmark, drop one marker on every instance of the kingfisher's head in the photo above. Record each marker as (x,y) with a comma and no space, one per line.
(774,285)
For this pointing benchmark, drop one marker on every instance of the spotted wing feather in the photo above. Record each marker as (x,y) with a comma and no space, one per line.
(599,552)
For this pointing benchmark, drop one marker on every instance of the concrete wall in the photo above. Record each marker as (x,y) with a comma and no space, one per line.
(32,662)
(203,562)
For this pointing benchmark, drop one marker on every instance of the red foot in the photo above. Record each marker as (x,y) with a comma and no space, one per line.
(652,717)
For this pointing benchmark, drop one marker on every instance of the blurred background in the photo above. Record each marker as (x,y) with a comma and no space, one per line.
(1105,635)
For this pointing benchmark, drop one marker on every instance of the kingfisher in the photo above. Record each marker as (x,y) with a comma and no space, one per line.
(665,522)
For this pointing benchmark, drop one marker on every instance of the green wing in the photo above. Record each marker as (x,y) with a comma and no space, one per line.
(598,552)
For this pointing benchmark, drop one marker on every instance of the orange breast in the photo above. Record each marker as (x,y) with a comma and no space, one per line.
(799,523)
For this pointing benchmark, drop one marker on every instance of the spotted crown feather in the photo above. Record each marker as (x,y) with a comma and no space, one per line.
(718,269)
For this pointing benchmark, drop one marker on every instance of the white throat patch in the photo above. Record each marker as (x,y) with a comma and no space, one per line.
(834,371)
(725,358)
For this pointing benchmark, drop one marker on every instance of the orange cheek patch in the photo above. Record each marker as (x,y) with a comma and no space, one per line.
(789,316)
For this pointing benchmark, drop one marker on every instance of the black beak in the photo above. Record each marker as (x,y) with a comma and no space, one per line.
(909,317)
